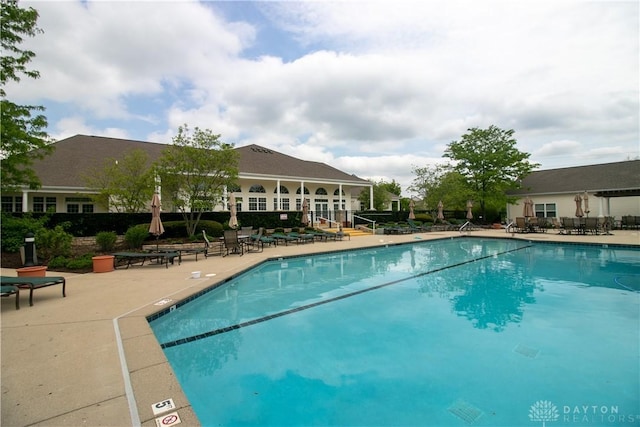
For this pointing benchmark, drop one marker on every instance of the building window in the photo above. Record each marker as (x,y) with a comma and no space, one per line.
(283,202)
(38,204)
(321,192)
(257,188)
(545,210)
(11,204)
(257,203)
(283,190)
(306,190)
(74,204)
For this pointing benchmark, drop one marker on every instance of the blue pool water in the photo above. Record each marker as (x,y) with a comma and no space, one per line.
(452,332)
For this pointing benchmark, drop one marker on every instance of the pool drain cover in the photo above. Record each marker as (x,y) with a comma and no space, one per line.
(526,351)
(465,411)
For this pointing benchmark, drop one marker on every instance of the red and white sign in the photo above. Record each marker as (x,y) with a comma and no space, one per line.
(168,420)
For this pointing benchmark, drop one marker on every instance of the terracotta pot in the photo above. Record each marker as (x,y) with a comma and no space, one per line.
(102,263)
(35,271)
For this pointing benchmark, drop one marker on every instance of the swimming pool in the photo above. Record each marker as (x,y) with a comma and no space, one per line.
(492,332)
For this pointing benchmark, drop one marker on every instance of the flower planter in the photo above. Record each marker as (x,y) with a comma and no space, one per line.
(103,263)
(35,271)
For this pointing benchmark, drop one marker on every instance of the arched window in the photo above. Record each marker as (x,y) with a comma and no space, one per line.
(337,192)
(321,192)
(234,189)
(306,190)
(257,188)
(283,190)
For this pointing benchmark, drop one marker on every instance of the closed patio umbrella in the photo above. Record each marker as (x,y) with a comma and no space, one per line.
(156,228)
(440,211)
(527,210)
(305,212)
(585,200)
(469,207)
(233,218)
(412,205)
(578,200)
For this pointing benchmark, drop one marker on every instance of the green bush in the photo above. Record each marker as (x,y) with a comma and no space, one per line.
(13,230)
(212,228)
(136,235)
(106,240)
(81,263)
(57,262)
(52,243)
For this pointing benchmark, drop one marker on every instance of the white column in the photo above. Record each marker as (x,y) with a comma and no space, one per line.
(25,201)
(371,197)
(279,200)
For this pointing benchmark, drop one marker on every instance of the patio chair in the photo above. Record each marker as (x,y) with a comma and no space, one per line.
(568,226)
(521,225)
(591,225)
(8,290)
(232,244)
(34,283)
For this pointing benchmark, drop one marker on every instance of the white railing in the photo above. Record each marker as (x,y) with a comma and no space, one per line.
(330,221)
(467,224)
(368,220)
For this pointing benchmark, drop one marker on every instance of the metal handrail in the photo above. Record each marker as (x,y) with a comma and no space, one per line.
(367,219)
(468,223)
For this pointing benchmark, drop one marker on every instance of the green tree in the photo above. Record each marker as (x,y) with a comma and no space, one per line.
(381,197)
(391,187)
(195,171)
(125,185)
(490,163)
(22,128)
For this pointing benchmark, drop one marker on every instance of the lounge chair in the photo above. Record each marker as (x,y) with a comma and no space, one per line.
(8,290)
(130,258)
(281,237)
(521,225)
(34,283)
(303,237)
(416,227)
(266,240)
(253,243)
(232,244)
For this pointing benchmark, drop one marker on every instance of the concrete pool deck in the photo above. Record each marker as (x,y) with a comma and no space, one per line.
(91,358)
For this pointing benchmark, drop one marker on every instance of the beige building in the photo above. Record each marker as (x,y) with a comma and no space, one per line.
(613,189)
(268,180)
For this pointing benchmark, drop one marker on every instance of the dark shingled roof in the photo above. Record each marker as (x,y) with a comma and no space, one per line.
(74,156)
(259,160)
(607,179)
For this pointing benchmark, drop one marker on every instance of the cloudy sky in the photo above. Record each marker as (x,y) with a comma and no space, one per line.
(374,88)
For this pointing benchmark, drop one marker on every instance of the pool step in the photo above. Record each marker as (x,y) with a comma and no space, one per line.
(352,232)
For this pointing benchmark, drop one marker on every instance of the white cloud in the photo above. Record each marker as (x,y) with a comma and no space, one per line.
(379,87)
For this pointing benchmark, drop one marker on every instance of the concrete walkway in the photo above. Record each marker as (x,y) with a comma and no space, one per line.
(91,358)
